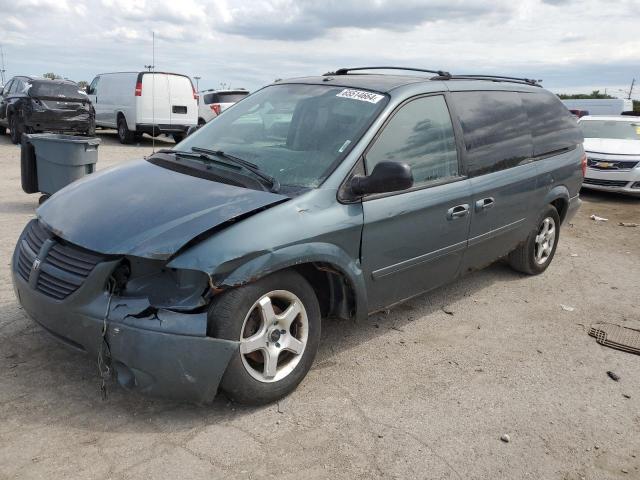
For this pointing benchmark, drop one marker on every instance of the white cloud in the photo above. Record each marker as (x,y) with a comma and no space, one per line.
(569,44)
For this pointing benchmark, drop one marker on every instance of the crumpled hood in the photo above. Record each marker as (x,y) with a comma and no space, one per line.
(612,146)
(145,210)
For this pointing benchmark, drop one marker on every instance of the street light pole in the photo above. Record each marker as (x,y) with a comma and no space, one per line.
(197,79)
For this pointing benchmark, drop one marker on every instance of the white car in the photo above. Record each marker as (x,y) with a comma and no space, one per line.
(144,102)
(612,145)
(213,102)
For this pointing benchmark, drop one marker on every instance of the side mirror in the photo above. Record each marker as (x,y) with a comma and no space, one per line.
(88,90)
(385,177)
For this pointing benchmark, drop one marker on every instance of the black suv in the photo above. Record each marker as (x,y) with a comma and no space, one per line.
(31,105)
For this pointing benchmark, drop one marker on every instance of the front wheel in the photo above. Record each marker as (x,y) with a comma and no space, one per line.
(178,137)
(277,323)
(534,255)
(124,134)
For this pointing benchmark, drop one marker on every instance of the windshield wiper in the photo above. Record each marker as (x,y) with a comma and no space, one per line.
(184,153)
(252,167)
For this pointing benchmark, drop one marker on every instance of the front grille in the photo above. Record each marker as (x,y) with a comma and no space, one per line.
(62,267)
(601,164)
(605,183)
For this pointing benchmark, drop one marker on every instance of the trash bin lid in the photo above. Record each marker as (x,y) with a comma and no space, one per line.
(61,138)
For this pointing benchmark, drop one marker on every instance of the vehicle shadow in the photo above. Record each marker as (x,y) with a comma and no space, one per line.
(44,382)
(110,138)
(598,196)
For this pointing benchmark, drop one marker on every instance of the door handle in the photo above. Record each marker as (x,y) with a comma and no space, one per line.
(485,203)
(458,211)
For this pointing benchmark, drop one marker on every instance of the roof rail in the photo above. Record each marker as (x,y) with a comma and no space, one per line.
(494,78)
(443,75)
(345,71)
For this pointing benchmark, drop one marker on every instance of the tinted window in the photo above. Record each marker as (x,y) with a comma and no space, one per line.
(421,135)
(496,130)
(552,126)
(55,89)
(227,97)
(7,87)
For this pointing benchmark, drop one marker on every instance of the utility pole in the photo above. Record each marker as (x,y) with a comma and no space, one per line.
(149,67)
(197,79)
(633,82)
(2,70)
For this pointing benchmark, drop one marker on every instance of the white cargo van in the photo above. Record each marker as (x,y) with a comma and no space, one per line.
(144,102)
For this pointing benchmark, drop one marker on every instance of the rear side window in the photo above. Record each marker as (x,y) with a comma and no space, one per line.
(495,128)
(421,135)
(552,126)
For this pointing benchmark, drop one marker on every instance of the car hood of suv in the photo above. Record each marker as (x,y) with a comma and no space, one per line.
(612,146)
(146,210)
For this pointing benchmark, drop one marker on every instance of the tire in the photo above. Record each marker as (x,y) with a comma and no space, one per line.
(137,136)
(236,315)
(535,254)
(124,134)
(16,128)
(28,168)
(3,130)
(178,137)
(201,122)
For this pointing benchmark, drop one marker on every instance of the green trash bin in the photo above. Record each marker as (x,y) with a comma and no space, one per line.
(59,160)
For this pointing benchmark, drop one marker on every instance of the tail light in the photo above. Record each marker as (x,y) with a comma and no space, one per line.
(584,165)
(216,108)
(195,95)
(139,89)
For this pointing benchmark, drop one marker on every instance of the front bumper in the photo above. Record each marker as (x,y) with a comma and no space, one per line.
(627,182)
(163,353)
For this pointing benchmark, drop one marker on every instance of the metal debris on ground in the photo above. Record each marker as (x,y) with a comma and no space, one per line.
(629,224)
(447,310)
(598,219)
(567,308)
(613,376)
(505,438)
(615,336)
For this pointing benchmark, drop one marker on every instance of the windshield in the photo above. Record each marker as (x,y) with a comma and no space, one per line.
(611,129)
(294,133)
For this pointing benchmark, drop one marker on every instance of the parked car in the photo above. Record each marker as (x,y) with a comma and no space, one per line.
(33,104)
(211,264)
(600,106)
(144,102)
(612,145)
(212,103)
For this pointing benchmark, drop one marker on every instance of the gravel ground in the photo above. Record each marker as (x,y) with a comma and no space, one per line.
(413,393)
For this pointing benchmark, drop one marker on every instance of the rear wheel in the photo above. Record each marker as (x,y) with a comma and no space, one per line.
(124,134)
(178,137)
(16,127)
(277,322)
(534,255)
(3,130)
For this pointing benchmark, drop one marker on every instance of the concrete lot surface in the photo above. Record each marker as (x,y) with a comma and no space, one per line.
(424,391)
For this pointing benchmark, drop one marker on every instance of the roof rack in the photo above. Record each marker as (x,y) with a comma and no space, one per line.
(345,71)
(443,75)
(493,78)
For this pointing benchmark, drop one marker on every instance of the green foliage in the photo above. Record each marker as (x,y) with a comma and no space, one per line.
(52,76)
(83,84)
(636,106)
(581,96)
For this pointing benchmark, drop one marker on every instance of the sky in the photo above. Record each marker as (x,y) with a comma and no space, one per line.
(574,46)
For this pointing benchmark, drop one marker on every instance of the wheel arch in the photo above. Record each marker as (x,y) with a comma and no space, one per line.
(335,277)
(558,196)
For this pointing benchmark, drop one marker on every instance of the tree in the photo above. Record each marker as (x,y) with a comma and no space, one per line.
(581,96)
(636,106)
(83,84)
(51,76)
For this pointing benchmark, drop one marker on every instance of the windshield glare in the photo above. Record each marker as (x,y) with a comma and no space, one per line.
(618,130)
(296,133)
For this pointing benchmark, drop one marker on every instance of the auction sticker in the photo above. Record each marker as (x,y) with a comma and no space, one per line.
(361,95)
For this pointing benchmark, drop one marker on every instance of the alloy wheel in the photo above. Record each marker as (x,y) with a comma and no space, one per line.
(274,336)
(545,240)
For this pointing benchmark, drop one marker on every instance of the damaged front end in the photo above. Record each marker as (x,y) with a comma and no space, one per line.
(155,317)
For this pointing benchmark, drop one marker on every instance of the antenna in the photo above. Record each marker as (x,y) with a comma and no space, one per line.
(153,90)
(2,70)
